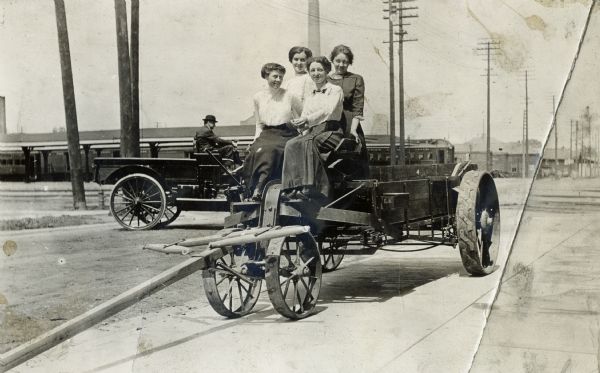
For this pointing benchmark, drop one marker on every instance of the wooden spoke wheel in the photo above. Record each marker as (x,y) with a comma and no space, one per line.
(478,223)
(232,283)
(332,253)
(293,275)
(138,202)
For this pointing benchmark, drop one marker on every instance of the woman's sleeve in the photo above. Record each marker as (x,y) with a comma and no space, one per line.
(331,108)
(256,119)
(358,97)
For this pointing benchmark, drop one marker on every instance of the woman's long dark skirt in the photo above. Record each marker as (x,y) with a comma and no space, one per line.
(362,168)
(264,161)
(305,156)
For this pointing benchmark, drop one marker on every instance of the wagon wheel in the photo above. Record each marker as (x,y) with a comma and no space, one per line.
(138,202)
(478,223)
(293,275)
(332,253)
(232,283)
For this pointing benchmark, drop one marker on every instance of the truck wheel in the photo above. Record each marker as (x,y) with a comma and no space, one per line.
(478,223)
(138,202)
(172,212)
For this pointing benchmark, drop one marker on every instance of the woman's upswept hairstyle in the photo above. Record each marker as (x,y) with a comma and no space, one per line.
(320,59)
(271,66)
(296,50)
(344,50)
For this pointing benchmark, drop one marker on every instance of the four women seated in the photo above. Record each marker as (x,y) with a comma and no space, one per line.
(298,128)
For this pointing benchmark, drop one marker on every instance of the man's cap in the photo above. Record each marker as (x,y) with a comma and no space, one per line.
(210,118)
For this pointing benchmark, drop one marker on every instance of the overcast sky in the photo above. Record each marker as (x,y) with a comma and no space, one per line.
(200,57)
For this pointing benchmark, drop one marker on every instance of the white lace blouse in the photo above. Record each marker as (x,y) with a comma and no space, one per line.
(272,108)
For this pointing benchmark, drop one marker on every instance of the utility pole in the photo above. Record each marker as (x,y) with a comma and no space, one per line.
(526,124)
(401,34)
(397,10)
(390,11)
(124,68)
(555,136)
(571,141)
(523,148)
(577,146)
(589,120)
(135,77)
(70,107)
(488,47)
(571,149)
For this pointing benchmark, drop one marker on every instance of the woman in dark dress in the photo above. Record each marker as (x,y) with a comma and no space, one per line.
(304,171)
(273,114)
(353,87)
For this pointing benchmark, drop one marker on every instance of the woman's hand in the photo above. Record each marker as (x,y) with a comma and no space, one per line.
(300,122)
(354,128)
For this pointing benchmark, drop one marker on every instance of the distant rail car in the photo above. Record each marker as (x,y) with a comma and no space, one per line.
(13,164)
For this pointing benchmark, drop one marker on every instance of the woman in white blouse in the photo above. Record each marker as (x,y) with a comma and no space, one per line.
(273,116)
(300,85)
(303,165)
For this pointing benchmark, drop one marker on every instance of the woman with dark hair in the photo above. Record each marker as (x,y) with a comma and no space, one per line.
(304,168)
(272,114)
(353,86)
(300,84)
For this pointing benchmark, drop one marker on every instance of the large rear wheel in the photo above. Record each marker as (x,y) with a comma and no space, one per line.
(478,223)
(138,202)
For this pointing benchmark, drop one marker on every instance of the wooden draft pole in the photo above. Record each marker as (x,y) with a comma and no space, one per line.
(76,172)
(46,341)
(213,247)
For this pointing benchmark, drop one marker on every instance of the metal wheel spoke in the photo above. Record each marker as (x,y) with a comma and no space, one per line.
(221,280)
(294,296)
(299,300)
(231,295)
(240,292)
(130,193)
(128,207)
(125,198)
(287,285)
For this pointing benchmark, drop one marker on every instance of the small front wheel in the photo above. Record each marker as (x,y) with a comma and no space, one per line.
(232,283)
(293,275)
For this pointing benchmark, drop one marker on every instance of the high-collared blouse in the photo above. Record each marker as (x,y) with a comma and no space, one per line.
(323,105)
(272,108)
(299,87)
(353,86)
